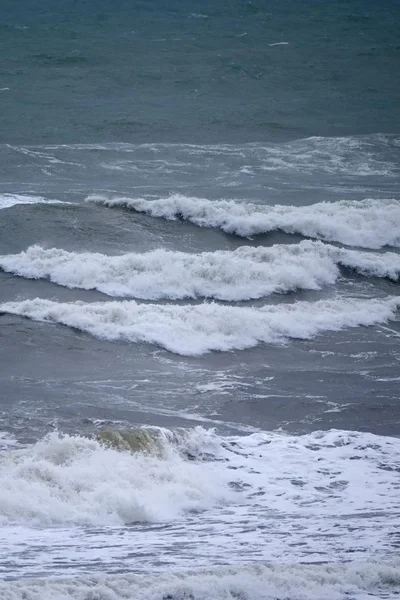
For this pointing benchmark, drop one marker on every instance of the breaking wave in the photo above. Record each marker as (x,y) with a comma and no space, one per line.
(243,274)
(193,330)
(113,480)
(154,474)
(370,223)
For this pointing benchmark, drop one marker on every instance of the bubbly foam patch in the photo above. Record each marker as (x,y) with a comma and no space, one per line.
(358,581)
(8,200)
(239,275)
(194,330)
(370,223)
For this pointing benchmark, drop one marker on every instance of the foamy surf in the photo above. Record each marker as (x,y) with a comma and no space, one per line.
(243,274)
(370,223)
(188,495)
(194,330)
(372,580)
(112,480)
(9,200)
(153,474)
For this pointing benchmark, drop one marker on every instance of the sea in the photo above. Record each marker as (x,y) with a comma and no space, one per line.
(199,300)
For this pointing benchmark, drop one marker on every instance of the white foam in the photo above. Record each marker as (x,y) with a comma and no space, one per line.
(194,330)
(370,223)
(74,480)
(365,580)
(239,275)
(8,200)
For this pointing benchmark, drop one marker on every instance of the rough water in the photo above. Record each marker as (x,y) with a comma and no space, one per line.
(199,301)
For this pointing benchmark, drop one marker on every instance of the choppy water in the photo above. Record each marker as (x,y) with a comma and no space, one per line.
(199,301)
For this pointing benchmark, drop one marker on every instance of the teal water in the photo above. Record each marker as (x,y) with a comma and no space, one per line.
(197,71)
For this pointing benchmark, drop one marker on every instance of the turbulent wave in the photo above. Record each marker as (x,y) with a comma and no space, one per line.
(373,580)
(239,275)
(75,480)
(370,223)
(160,475)
(191,495)
(8,200)
(194,330)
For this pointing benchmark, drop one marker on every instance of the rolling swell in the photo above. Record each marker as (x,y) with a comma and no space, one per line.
(370,223)
(194,330)
(246,273)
